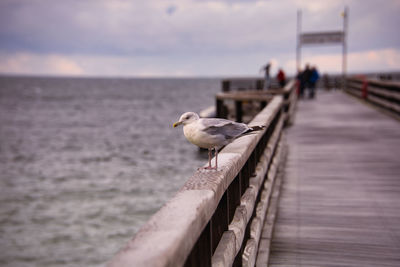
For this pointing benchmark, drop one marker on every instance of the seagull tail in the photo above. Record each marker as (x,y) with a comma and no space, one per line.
(254,129)
(257,128)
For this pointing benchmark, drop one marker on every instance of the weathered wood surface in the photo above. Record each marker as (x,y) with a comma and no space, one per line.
(340,197)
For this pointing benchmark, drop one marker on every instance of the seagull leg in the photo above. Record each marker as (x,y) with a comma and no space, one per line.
(209,161)
(209,158)
(209,167)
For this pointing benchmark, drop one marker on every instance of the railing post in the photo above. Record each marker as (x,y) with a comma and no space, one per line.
(239,112)
(220,109)
(201,254)
(226,84)
(233,197)
(259,85)
(365,88)
(219,222)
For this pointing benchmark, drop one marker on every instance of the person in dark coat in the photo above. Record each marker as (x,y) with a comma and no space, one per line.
(302,81)
(267,78)
(307,75)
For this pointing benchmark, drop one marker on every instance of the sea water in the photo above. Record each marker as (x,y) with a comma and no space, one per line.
(84,162)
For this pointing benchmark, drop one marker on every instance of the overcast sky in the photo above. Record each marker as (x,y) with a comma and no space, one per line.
(180,38)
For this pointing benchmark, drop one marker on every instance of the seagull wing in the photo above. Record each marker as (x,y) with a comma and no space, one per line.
(228,129)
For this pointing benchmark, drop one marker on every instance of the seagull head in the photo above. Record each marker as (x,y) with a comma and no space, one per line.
(186,118)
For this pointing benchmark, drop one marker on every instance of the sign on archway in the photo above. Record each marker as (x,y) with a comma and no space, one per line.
(323,38)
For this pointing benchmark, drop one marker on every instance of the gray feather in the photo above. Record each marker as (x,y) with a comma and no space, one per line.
(228,129)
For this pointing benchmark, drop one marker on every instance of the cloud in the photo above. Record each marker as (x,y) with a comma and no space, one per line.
(358,62)
(387,59)
(171,9)
(138,27)
(179,37)
(207,65)
(28,63)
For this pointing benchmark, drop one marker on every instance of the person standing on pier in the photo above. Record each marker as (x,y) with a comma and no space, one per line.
(305,79)
(281,78)
(267,78)
(307,75)
(301,83)
(314,76)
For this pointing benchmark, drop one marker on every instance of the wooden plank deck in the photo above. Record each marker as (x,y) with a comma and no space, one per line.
(340,196)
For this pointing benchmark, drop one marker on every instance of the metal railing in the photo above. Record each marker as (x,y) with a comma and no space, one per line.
(216,218)
(385,94)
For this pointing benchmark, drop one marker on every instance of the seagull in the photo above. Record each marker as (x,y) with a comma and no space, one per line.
(212,133)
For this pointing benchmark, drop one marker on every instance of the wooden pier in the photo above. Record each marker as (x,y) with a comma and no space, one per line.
(340,197)
(328,196)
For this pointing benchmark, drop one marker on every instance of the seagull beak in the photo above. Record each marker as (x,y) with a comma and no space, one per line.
(177,124)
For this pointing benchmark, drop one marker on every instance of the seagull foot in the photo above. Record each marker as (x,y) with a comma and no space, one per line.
(208,168)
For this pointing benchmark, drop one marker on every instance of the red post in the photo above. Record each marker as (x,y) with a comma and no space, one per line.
(364,88)
(297,87)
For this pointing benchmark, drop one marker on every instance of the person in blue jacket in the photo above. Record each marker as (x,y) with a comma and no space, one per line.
(312,81)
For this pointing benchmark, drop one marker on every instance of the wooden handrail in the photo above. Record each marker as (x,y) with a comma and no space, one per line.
(385,94)
(288,91)
(217,215)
